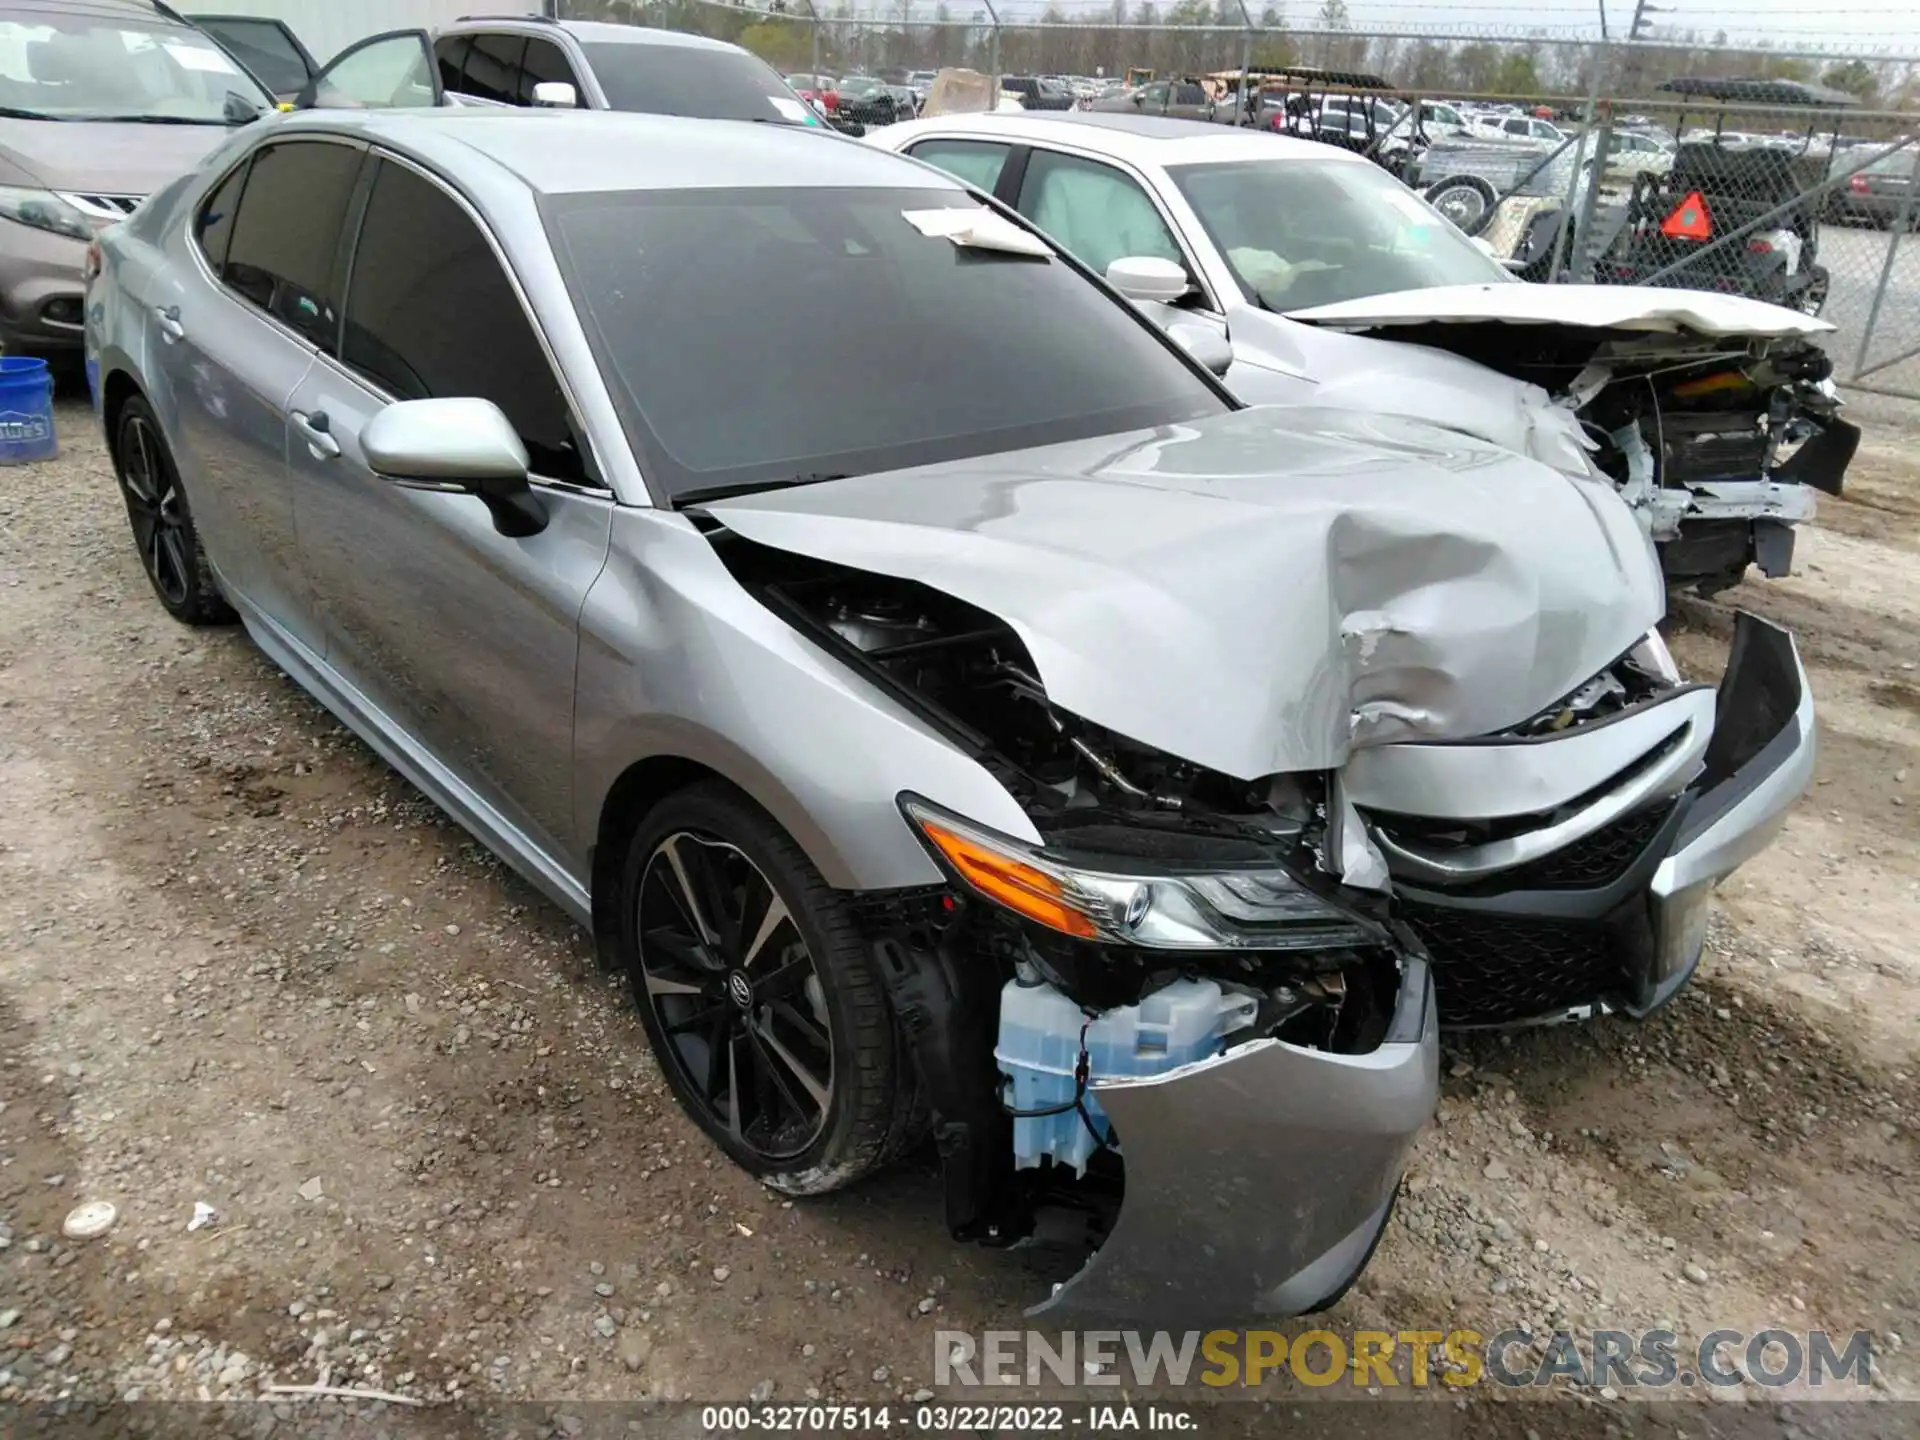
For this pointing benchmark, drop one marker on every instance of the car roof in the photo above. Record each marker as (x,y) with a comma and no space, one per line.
(109,9)
(588,32)
(557,152)
(1140,139)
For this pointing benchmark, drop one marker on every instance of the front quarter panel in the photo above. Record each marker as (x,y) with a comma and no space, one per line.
(676,659)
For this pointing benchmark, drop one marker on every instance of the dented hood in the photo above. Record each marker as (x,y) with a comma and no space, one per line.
(1263,591)
(1643,308)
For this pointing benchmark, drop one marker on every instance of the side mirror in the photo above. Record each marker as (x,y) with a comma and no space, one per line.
(465,446)
(556,95)
(1204,343)
(236,109)
(1147,277)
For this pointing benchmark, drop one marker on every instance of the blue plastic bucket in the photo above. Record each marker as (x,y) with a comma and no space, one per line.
(26,410)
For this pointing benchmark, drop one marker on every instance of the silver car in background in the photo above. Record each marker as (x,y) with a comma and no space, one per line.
(101,102)
(959,735)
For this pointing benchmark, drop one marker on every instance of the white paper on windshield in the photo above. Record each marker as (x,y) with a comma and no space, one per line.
(789,107)
(977,230)
(195,57)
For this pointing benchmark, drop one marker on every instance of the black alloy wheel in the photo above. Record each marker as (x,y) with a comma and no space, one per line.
(163,529)
(738,998)
(760,996)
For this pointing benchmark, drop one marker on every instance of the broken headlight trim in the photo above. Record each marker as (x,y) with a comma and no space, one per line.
(1264,908)
(1652,657)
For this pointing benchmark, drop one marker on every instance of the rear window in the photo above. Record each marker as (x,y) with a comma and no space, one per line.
(681,80)
(753,336)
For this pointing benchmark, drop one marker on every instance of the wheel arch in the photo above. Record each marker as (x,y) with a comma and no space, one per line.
(117,387)
(644,783)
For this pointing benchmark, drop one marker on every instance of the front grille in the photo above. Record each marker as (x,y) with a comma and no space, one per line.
(1491,969)
(1595,860)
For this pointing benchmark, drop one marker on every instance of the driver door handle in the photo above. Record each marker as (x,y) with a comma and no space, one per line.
(168,317)
(317,432)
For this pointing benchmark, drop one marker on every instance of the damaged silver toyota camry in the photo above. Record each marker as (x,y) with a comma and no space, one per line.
(957,715)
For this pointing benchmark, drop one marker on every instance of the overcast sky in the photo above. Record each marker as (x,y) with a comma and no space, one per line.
(1863,27)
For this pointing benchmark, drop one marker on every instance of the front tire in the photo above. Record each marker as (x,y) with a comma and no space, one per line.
(163,528)
(759,998)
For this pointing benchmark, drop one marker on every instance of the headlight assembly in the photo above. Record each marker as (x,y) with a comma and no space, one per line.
(1251,908)
(44,210)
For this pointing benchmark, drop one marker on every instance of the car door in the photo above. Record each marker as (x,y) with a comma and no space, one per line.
(245,311)
(394,70)
(267,47)
(1190,102)
(462,639)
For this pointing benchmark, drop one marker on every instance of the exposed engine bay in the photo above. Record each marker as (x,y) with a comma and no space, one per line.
(1714,443)
(1014,1020)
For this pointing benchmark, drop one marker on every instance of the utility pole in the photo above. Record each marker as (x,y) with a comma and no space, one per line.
(1641,29)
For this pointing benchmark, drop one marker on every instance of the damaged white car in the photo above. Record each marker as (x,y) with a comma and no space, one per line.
(1018,744)
(1713,415)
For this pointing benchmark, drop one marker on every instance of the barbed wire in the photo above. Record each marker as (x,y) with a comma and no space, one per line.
(1550,32)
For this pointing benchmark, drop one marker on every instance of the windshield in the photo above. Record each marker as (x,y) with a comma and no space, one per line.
(1901,162)
(1300,233)
(754,336)
(683,80)
(860,85)
(89,67)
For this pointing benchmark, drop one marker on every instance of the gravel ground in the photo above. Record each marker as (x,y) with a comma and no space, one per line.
(243,965)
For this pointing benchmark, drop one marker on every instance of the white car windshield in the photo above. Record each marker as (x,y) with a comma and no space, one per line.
(90,67)
(1300,233)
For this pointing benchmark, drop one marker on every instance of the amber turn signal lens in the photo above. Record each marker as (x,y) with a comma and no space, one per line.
(1006,881)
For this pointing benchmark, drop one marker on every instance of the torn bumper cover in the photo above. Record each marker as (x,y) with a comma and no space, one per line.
(1597,900)
(1759,763)
(1259,1180)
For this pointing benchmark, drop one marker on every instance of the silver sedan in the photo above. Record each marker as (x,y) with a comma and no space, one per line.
(931,688)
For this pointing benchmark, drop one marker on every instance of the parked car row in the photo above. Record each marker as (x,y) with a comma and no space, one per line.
(804,686)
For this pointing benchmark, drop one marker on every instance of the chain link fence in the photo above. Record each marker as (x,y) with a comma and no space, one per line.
(1787,176)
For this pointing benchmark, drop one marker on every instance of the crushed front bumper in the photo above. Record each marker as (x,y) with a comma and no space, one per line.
(1759,763)
(1616,919)
(1258,1181)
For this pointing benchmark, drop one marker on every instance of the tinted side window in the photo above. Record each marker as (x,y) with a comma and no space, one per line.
(450,54)
(285,238)
(214,224)
(544,62)
(1093,211)
(266,47)
(431,313)
(493,68)
(977,162)
(1190,95)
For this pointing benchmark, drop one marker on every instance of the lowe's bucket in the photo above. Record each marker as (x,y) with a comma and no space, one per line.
(26,410)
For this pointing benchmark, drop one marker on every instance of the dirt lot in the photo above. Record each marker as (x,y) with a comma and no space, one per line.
(243,963)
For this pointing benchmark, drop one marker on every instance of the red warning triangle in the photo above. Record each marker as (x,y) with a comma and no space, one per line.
(1689,220)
